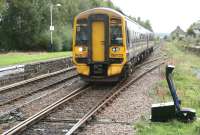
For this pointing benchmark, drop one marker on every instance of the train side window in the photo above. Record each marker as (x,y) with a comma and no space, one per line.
(138,37)
(141,37)
(133,37)
(128,36)
(116,35)
(81,35)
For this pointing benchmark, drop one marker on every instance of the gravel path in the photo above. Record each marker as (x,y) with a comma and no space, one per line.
(132,105)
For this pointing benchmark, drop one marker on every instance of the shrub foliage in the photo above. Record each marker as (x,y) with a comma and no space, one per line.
(24,24)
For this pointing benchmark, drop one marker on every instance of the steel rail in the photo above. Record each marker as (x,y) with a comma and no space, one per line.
(6,88)
(33,119)
(149,61)
(38,90)
(27,103)
(106,100)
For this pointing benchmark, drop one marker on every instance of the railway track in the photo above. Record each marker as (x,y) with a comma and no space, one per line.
(30,105)
(106,101)
(35,79)
(17,91)
(94,101)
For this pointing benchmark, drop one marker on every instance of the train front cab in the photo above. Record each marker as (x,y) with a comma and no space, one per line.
(99,45)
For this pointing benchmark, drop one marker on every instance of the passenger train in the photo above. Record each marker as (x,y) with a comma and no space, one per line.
(107,44)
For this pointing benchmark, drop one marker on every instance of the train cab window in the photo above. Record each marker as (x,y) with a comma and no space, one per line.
(81,35)
(115,31)
(116,35)
(81,32)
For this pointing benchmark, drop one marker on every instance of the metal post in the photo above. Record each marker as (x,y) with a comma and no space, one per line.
(51,12)
(51,26)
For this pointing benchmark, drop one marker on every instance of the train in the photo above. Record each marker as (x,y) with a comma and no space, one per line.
(107,44)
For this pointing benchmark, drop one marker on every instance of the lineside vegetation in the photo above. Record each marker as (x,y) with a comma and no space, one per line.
(20,58)
(188,89)
(24,24)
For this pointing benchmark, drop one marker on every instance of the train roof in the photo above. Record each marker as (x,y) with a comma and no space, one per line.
(100,10)
(112,12)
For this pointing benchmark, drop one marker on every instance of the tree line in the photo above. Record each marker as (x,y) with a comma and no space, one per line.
(191,30)
(146,24)
(24,24)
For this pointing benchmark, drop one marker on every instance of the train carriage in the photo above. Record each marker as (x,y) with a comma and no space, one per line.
(106,44)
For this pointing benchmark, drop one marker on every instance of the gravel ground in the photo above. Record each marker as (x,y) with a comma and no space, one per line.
(63,118)
(23,101)
(118,118)
(32,87)
(38,104)
(132,105)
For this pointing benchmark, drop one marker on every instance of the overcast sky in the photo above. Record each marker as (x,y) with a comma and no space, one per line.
(164,15)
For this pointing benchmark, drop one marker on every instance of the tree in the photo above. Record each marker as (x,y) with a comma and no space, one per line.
(24,24)
(191,32)
(139,20)
(133,18)
(165,37)
(2,6)
(147,25)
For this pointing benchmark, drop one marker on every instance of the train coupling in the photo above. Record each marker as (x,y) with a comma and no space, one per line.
(162,112)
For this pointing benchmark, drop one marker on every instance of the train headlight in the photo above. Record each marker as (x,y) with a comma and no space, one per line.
(115,49)
(80,49)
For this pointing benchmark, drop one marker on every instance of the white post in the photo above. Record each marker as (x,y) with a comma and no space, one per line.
(52,27)
(51,12)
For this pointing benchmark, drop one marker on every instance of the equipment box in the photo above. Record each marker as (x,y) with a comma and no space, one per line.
(163,111)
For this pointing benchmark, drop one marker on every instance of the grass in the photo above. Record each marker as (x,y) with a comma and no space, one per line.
(188,89)
(19,58)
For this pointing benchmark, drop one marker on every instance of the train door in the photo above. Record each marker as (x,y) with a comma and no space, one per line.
(98,44)
(98,38)
(98,41)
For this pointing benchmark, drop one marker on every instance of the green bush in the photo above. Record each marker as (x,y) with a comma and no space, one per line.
(57,43)
(67,45)
(44,40)
(24,25)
